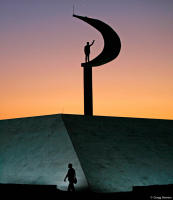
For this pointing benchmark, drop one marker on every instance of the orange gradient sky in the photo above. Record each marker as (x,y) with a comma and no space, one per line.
(41,48)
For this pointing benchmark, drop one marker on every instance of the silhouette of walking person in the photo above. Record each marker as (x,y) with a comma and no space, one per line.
(71,175)
(87,51)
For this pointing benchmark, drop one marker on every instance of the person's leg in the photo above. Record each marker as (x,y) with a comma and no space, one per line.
(68,187)
(87,58)
(72,188)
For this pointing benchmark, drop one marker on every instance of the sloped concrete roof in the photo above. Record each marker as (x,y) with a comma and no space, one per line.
(111,154)
(37,150)
(119,153)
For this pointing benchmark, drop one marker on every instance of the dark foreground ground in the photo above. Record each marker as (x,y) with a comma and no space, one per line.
(50,192)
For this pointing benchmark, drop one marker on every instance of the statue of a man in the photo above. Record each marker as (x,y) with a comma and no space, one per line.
(87,51)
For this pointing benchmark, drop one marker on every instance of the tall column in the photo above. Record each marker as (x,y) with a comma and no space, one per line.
(88,96)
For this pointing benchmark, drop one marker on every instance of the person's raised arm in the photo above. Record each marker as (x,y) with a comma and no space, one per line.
(92,43)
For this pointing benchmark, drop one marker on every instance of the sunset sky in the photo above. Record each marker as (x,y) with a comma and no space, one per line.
(41,50)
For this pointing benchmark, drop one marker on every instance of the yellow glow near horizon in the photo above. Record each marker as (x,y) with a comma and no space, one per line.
(41,52)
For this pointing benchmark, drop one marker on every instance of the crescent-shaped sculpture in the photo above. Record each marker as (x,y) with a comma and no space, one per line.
(112,46)
(112,43)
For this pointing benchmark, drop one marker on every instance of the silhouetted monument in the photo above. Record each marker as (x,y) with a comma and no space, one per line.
(112,46)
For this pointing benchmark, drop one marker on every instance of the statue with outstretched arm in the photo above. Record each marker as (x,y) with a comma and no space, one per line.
(87,50)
